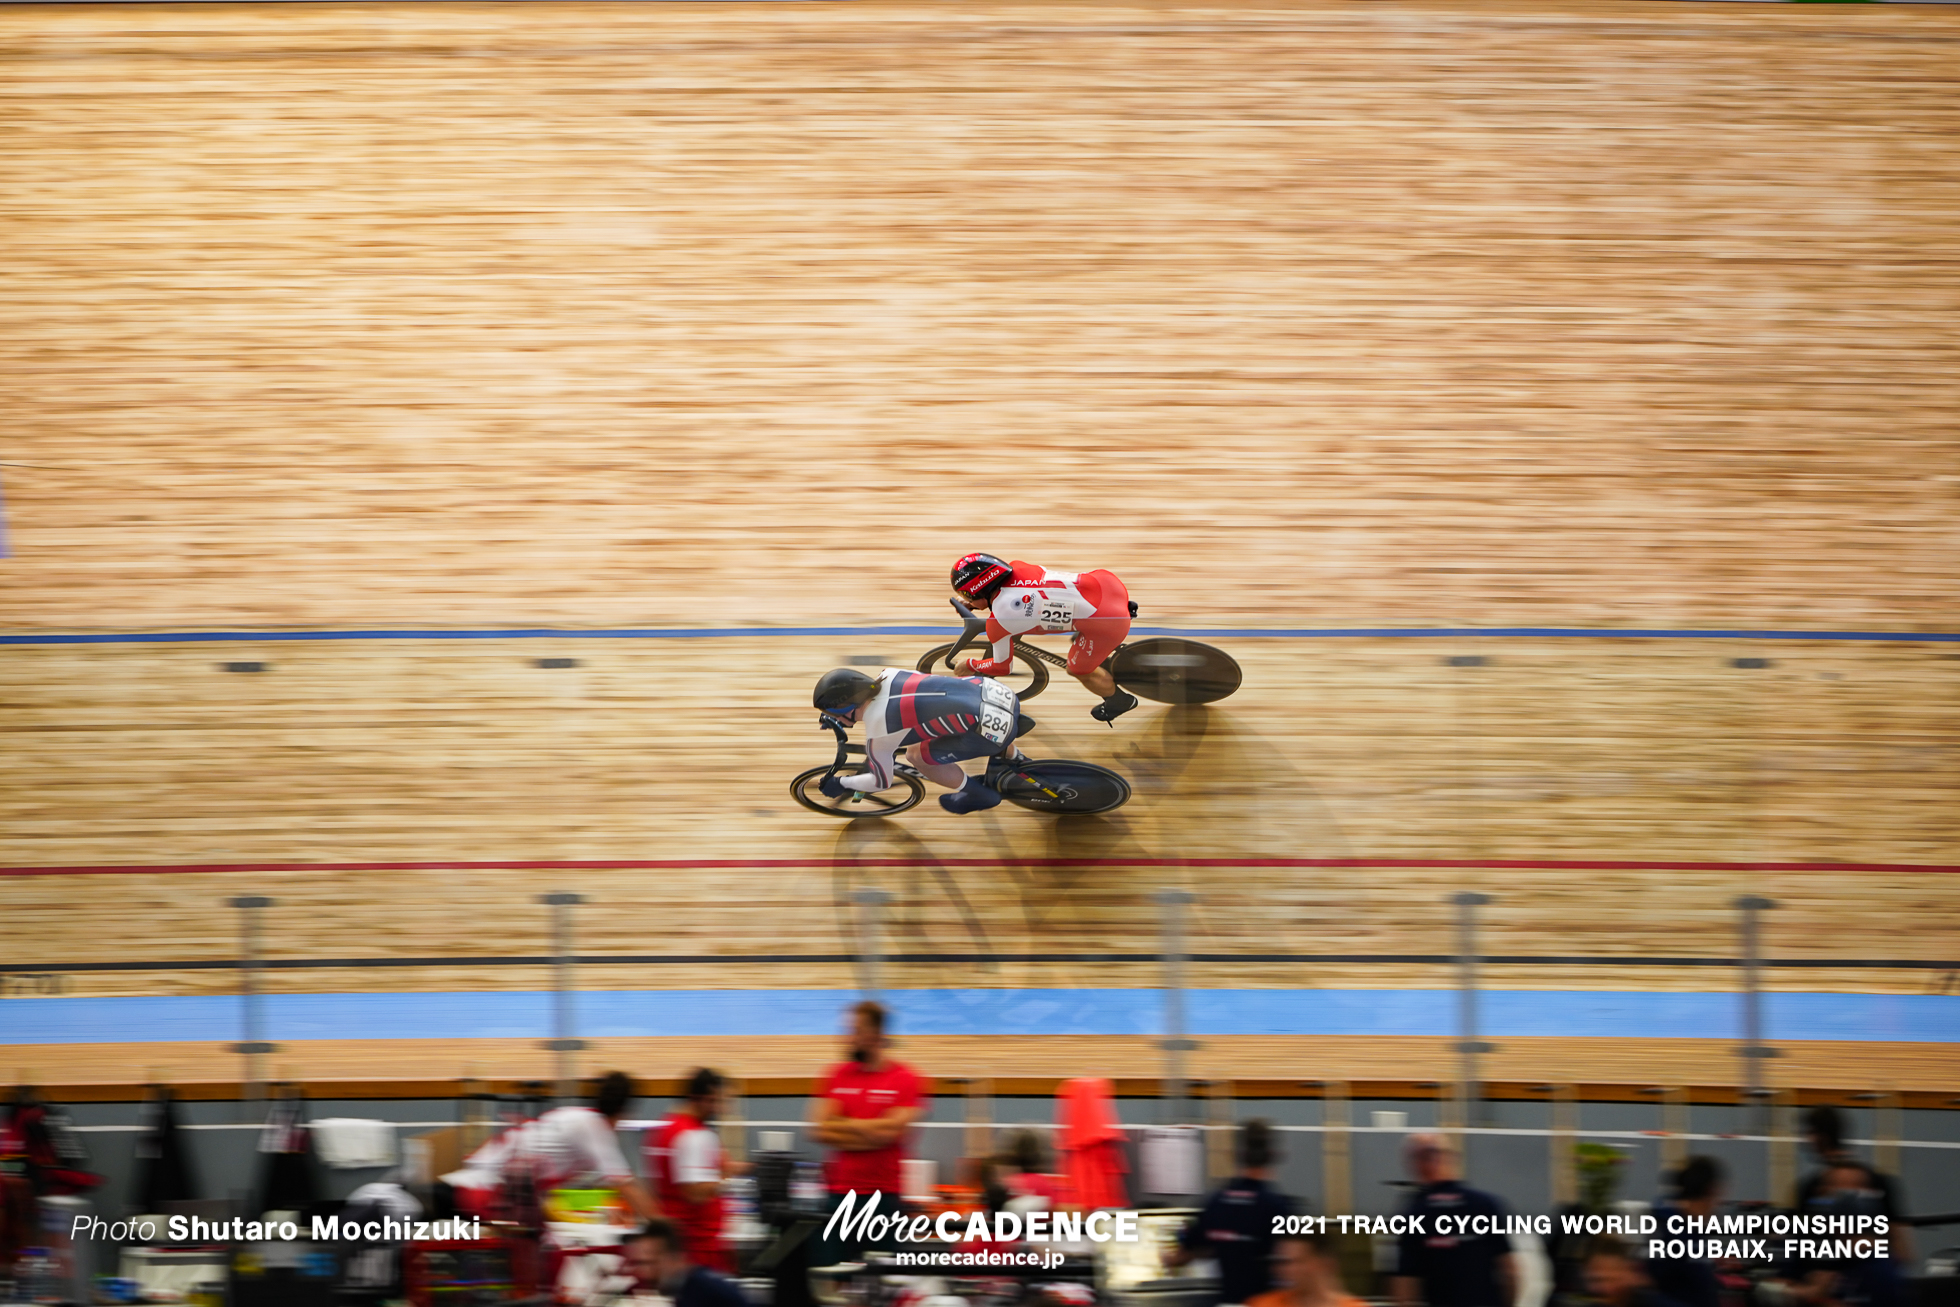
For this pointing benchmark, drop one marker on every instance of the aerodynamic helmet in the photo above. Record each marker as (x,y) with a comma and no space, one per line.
(841,690)
(977,578)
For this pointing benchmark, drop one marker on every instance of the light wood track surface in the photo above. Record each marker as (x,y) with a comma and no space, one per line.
(1318,314)
(1903,1068)
(429,751)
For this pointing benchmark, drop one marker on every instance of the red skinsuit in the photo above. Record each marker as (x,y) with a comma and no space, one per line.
(1036,601)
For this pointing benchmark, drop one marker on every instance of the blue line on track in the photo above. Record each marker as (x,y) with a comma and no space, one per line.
(1915,1018)
(1212,632)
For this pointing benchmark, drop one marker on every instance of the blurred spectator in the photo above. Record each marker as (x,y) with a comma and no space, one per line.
(656,1257)
(163,1163)
(1092,1141)
(1451,1270)
(566,1145)
(1690,1281)
(1307,1273)
(1847,1187)
(1615,1277)
(1026,1178)
(862,1112)
(52,1158)
(684,1166)
(1823,1131)
(1235,1227)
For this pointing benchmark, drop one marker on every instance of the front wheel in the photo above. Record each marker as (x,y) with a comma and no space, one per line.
(1063,787)
(1029,677)
(855,803)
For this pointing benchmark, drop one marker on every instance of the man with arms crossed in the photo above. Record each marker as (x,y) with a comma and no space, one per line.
(861,1112)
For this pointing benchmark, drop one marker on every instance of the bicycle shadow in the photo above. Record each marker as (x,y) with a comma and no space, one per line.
(1205,784)
(906,924)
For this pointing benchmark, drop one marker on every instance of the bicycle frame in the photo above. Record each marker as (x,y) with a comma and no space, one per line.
(976,625)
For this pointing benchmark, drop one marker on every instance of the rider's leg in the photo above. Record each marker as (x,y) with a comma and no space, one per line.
(1096,678)
(946,775)
(1097,681)
(1095,640)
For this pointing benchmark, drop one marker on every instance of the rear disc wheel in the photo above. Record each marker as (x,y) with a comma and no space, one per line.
(1064,787)
(1172,670)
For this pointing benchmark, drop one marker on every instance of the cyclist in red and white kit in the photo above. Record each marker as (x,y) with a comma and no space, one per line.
(1027,599)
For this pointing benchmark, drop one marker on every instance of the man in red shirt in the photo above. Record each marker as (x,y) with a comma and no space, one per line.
(683,1156)
(862,1112)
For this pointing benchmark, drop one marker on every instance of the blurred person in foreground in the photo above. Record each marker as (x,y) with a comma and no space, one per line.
(1616,1278)
(684,1166)
(1823,1132)
(1026,1180)
(1235,1226)
(862,1113)
(1848,1188)
(1690,1281)
(1308,1275)
(567,1146)
(656,1258)
(1450,1270)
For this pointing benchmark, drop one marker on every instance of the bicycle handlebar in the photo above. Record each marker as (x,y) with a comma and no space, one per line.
(974,626)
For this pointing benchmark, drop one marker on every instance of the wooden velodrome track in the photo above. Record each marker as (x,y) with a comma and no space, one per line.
(1319,315)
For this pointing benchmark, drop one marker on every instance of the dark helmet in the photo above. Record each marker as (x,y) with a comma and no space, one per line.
(841,690)
(977,578)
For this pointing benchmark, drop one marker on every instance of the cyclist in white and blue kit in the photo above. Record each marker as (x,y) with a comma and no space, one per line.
(940,721)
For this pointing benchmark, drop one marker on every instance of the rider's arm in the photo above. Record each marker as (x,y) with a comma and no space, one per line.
(881,753)
(1000,635)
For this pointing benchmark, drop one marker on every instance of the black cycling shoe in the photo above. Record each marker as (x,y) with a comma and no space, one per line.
(974,796)
(1113,707)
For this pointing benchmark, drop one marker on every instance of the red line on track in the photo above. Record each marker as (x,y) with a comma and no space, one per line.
(651,864)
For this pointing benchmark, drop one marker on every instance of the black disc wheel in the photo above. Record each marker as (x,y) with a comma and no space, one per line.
(1171,670)
(1070,789)
(1029,677)
(856,803)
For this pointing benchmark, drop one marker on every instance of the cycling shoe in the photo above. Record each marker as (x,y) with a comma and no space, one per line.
(1113,707)
(974,796)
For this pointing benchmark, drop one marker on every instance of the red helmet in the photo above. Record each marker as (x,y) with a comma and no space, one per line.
(977,578)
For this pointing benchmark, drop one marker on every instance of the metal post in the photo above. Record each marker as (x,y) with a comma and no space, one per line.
(869,903)
(1175,1043)
(1675,1122)
(1754,1052)
(1336,1171)
(1469,1084)
(1782,1147)
(1565,1130)
(979,1117)
(252,1044)
(1223,1135)
(1888,1127)
(564,1039)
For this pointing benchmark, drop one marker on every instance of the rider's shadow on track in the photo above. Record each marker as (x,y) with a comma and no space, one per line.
(904,918)
(1216,787)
